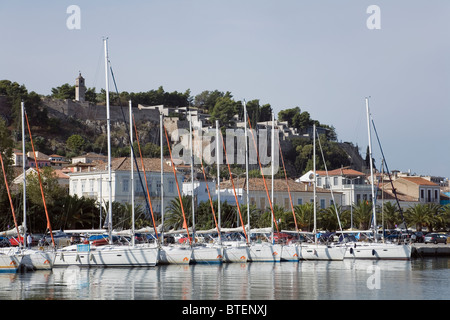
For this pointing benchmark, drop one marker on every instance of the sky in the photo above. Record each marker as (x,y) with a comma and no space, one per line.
(323,56)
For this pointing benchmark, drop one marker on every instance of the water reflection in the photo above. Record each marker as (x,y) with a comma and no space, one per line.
(348,279)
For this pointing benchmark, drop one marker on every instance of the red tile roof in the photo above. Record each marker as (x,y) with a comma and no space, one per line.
(340,172)
(257,184)
(419,181)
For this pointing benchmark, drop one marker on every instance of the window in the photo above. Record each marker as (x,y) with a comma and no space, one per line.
(158,185)
(319,181)
(429,195)
(422,194)
(125,185)
(286,203)
(299,201)
(335,181)
(262,203)
(322,203)
(435,195)
(171,186)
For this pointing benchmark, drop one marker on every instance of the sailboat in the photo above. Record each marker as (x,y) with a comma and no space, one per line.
(290,251)
(173,253)
(110,255)
(10,261)
(376,250)
(43,258)
(319,251)
(264,251)
(201,253)
(233,250)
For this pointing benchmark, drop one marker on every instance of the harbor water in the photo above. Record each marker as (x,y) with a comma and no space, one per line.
(416,279)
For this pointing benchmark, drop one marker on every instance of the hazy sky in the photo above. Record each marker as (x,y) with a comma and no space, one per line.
(318,55)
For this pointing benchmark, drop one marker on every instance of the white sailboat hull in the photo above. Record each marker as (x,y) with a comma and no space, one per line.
(107,256)
(207,254)
(10,263)
(265,252)
(234,251)
(321,252)
(175,255)
(290,252)
(38,259)
(377,251)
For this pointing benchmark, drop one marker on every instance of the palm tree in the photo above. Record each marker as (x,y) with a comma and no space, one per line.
(175,217)
(328,219)
(390,215)
(73,212)
(420,215)
(445,216)
(254,214)
(305,215)
(362,214)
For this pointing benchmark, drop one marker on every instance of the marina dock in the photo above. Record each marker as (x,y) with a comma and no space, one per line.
(430,250)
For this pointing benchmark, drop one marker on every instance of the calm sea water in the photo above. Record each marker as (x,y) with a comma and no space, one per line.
(315,280)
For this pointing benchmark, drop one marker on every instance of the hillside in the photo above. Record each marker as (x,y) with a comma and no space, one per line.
(55,119)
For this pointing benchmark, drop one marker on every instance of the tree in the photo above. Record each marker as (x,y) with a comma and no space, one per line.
(421,215)
(65,91)
(175,217)
(256,112)
(362,214)
(328,218)
(390,214)
(51,188)
(289,115)
(74,212)
(75,143)
(207,99)
(224,110)
(305,216)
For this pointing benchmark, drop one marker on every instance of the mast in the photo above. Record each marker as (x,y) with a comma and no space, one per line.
(24,176)
(10,201)
(178,188)
(262,174)
(49,227)
(273,167)
(108,121)
(218,170)
(382,196)
(132,177)
(246,168)
(315,181)
(192,176)
(371,171)
(162,175)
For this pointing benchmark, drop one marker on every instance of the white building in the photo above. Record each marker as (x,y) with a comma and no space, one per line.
(300,193)
(351,183)
(200,190)
(94,183)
